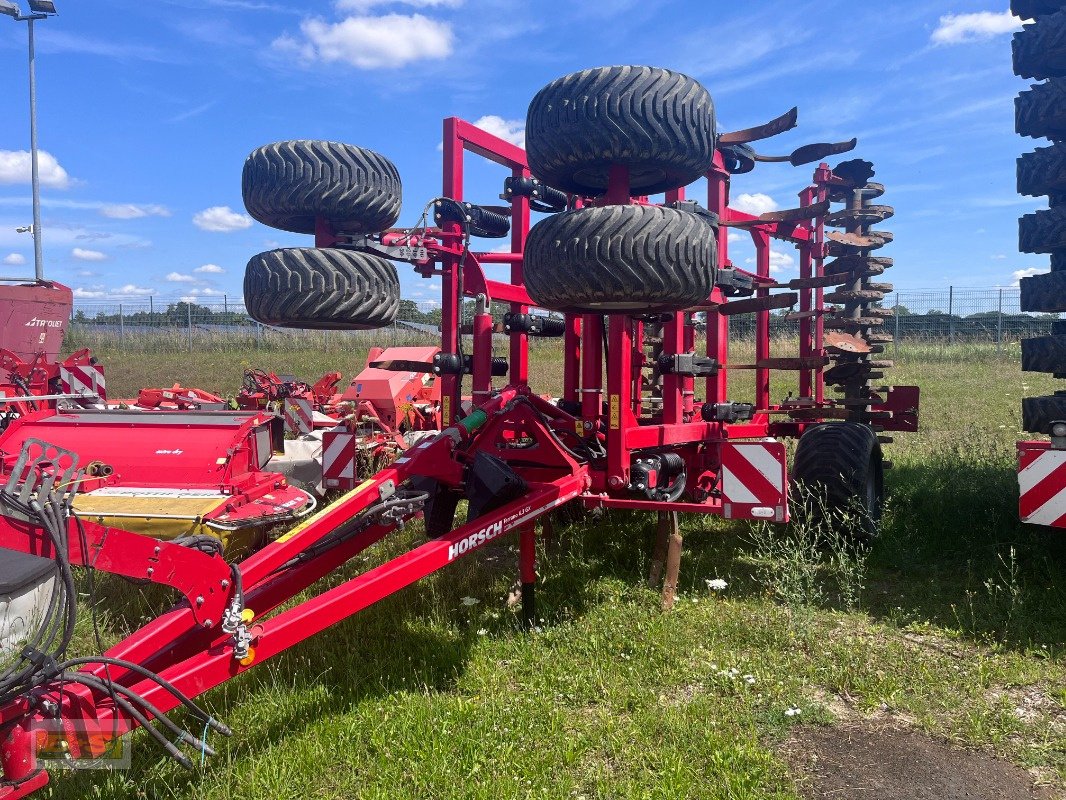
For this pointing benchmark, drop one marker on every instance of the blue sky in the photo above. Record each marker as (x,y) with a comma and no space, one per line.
(148,109)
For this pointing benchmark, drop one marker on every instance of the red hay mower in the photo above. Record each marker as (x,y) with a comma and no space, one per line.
(644,419)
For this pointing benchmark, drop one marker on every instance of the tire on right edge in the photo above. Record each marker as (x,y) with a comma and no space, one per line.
(626,259)
(321,288)
(840,473)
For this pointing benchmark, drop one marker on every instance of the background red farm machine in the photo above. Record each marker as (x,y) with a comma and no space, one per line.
(1042,463)
(647,417)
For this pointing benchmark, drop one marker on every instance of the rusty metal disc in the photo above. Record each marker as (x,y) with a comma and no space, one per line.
(844,342)
(854,296)
(859,265)
(867,215)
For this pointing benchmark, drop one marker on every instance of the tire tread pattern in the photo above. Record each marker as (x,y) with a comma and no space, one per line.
(1041,111)
(833,460)
(651,119)
(618,258)
(1039,412)
(1043,171)
(1043,232)
(286,185)
(1044,354)
(1040,48)
(321,288)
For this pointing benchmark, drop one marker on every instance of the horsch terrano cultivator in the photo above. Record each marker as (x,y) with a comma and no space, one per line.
(644,420)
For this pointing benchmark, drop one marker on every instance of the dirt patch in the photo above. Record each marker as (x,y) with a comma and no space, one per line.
(859,762)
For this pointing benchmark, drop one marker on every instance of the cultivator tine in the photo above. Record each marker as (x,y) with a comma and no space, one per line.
(784,215)
(810,153)
(785,122)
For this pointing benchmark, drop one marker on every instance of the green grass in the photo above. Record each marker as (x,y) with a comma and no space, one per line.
(954,621)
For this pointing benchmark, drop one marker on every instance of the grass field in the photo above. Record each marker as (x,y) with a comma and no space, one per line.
(953,624)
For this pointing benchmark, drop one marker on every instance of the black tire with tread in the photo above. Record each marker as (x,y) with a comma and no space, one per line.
(657,122)
(1042,232)
(1039,412)
(287,185)
(1044,293)
(1044,354)
(1041,111)
(1029,9)
(841,463)
(321,288)
(1043,171)
(1040,48)
(620,259)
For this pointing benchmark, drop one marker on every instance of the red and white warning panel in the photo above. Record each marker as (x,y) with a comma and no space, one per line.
(299,415)
(83,379)
(754,480)
(338,459)
(1042,484)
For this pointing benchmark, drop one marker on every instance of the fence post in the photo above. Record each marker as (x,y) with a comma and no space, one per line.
(151,311)
(225,303)
(951,315)
(895,322)
(999,325)
(188,312)
(121,329)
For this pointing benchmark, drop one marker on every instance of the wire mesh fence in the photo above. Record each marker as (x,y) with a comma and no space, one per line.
(940,316)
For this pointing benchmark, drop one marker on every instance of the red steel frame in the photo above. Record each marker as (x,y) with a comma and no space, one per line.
(187,645)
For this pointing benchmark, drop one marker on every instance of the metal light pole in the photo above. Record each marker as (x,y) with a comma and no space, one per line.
(40,9)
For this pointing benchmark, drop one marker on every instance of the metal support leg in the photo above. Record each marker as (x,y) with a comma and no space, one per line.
(527,568)
(658,556)
(673,560)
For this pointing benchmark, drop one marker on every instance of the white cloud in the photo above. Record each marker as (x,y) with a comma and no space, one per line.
(132,290)
(210,269)
(188,298)
(87,294)
(998,256)
(177,277)
(781,261)
(86,273)
(510,130)
(82,254)
(392,40)
(212,292)
(755,204)
(14,259)
(15,168)
(735,237)
(221,219)
(1018,274)
(133,210)
(366,5)
(981,25)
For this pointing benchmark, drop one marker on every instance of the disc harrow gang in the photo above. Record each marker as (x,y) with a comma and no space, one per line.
(857,299)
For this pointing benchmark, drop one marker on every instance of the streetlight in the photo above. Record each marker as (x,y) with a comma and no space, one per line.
(39,9)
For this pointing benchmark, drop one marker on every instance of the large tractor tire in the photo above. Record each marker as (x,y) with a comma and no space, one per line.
(621,259)
(1044,353)
(1040,112)
(1028,9)
(1045,294)
(1043,171)
(321,288)
(1039,412)
(658,123)
(839,465)
(1040,48)
(289,185)
(1043,232)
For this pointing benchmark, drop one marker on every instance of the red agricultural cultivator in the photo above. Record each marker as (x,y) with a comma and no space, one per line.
(647,417)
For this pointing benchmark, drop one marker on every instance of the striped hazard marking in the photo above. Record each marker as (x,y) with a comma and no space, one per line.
(754,480)
(83,380)
(299,415)
(338,459)
(1042,485)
